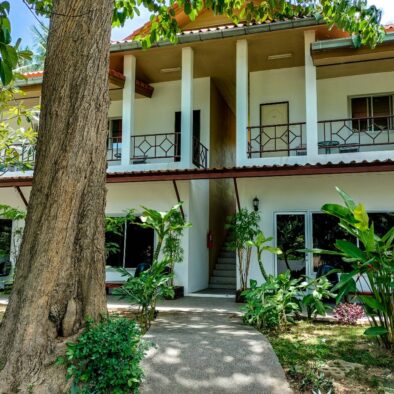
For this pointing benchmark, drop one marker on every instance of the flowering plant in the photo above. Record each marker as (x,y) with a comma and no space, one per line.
(348,313)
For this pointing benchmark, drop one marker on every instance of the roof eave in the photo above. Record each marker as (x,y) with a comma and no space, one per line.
(223,33)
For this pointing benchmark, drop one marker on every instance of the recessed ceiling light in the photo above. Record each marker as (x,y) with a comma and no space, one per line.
(170,70)
(280,56)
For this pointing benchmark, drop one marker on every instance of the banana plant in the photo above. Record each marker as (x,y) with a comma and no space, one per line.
(260,243)
(163,223)
(371,256)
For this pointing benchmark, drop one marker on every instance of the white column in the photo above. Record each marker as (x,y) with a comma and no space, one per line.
(129,64)
(242,102)
(187,107)
(310,97)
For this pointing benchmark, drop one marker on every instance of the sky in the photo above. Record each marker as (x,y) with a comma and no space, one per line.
(22,20)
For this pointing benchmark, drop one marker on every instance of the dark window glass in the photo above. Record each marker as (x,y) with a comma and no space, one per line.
(381,112)
(116,129)
(383,222)
(196,133)
(5,245)
(115,258)
(290,235)
(139,245)
(326,232)
(360,111)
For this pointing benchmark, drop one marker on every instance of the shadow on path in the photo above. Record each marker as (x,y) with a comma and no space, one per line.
(210,353)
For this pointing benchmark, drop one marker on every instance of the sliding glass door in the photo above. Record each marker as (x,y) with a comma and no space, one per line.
(291,238)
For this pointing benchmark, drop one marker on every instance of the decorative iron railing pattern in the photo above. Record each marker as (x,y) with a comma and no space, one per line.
(349,135)
(277,140)
(200,154)
(18,157)
(114,149)
(155,146)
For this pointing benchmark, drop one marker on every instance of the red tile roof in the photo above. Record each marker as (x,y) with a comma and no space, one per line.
(38,74)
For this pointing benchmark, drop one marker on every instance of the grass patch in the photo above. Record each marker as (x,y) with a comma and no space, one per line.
(306,347)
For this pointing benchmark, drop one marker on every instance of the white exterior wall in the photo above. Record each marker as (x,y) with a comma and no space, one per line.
(198,251)
(308,194)
(273,86)
(156,115)
(333,93)
(192,273)
(157,195)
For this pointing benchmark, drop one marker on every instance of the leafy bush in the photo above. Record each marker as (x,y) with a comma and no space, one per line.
(145,289)
(271,305)
(274,304)
(106,358)
(373,257)
(348,313)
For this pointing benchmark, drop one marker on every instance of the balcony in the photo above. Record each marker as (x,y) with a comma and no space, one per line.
(17,157)
(277,140)
(145,149)
(356,135)
(367,136)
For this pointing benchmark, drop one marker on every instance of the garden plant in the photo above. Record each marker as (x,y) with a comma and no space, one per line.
(369,255)
(244,228)
(106,357)
(280,300)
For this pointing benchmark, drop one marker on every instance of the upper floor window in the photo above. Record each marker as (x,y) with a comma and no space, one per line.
(115,130)
(372,113)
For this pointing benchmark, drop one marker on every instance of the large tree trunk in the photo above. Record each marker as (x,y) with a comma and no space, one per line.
(61,267)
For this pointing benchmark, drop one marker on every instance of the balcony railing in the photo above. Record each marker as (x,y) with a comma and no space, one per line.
(17,157)
(114,149)
(200,154)
(277,140)
(356,134)
(150,147)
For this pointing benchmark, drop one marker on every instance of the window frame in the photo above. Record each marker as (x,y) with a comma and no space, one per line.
(370,114)
(131,269)
(110,127)
(309,233)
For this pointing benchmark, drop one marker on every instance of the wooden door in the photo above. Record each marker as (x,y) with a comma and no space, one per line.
(274,135)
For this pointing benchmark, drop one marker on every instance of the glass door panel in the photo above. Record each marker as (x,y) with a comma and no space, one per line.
(290,238)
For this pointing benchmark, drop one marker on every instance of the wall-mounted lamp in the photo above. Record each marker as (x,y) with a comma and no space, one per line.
(256,203)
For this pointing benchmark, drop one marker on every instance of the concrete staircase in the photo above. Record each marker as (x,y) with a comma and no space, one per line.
(224,275)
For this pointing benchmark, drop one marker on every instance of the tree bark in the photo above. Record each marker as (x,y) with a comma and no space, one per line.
(61,267)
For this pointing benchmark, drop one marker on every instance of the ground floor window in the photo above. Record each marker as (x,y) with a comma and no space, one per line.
(5,246)
(296,231)
(135,246)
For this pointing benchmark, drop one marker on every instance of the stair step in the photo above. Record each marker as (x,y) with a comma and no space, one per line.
(223,280)
(226,260)
(226,254)
(220,286)
(227,273)
(225,267)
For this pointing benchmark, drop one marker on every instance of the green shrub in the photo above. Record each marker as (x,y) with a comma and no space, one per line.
(106,358)
(145,290)
(273,305)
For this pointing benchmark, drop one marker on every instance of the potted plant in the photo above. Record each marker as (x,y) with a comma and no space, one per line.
(244,227)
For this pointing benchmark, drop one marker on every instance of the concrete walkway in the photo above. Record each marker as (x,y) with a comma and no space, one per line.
(204,350)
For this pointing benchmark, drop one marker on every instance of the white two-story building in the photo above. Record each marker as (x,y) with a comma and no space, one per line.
(279,112)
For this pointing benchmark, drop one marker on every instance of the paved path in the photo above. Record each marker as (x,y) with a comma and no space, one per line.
(210,352)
